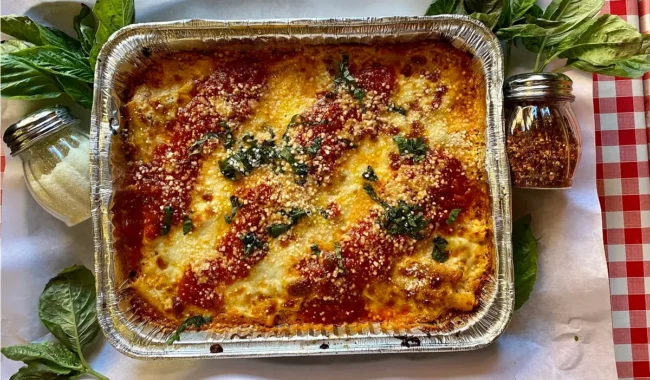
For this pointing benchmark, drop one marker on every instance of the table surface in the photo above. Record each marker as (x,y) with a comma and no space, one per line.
(538,343)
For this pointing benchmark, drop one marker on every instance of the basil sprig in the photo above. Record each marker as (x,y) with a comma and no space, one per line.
(524,258)
(67,308)
(567,29)
(44,62)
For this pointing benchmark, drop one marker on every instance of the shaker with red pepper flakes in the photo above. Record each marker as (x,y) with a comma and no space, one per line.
(543,135)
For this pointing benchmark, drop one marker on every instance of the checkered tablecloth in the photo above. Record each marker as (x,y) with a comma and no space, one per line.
(622,127)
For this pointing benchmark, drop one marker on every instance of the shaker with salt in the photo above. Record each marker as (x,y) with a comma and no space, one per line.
(54,151)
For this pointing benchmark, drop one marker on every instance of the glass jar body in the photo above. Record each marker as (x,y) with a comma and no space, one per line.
(543,142)
(56,173)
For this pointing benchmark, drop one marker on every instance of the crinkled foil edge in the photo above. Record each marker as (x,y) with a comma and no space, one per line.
(130,49)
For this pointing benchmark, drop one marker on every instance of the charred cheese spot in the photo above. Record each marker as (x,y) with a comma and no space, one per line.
(276,243)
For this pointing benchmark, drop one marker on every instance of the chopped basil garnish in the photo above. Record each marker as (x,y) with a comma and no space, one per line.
(226,137)
(299,168)
(339,258)
(195,321)
(369,174)
(403,219)
(167,220)
(187,225)
(440,252)
(319,122)
(344,78)
(315,250)
(277,229)
(250,242)
(245,160)
(373,195)
(295,120)
(358,94)
(234,202)
(393,108)
(414,147)
(315,146)
(453,215)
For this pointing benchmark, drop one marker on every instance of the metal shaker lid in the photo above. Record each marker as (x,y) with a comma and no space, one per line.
(37,126)
(538,85)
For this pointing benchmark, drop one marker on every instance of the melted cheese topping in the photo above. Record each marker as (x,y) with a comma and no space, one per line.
(245,197)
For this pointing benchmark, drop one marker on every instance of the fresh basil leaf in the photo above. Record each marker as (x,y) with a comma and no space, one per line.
(439,7)
(562,16)
(187,225)
(521,31)
(601,42)
(27,373)
(315,250)
(524,256)
(101,36)
(57,61)
(80,92)
(11,46)
(535,11)
(63,360)
(56,38)
(194,321)
(521,7)
(506,17)
(484,6)
(51,367)
(67,308)
(84,25)
(114,14)
(19,79)
(633,67)
(22,28)
(111,16)
(572,13)
(488,19)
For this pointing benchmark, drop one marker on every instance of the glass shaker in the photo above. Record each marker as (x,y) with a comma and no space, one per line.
(543,136)
(54,151)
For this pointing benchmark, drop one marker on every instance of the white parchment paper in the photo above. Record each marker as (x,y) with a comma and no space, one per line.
(571,297)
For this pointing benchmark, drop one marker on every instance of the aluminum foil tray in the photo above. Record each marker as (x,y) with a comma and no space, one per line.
(131,49)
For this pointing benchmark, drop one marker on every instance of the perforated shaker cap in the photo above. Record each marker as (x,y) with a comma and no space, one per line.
(36,126)
(538,85)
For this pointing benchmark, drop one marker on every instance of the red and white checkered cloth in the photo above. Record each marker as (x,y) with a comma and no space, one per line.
(624,190)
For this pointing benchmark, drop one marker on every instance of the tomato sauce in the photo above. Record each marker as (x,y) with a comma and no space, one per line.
(233,263)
